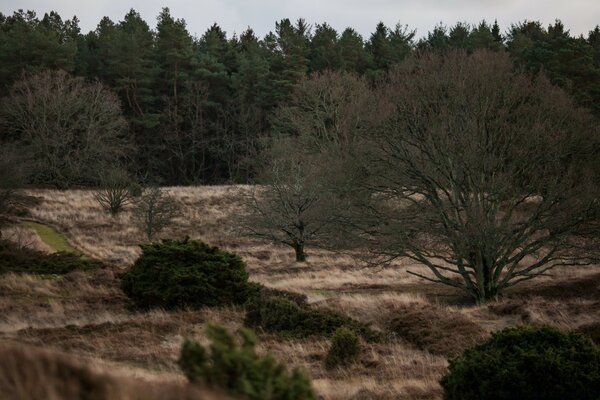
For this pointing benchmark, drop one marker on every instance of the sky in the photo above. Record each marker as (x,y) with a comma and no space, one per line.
(579,16)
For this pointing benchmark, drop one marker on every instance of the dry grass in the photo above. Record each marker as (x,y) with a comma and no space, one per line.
(29,373)
(86,314)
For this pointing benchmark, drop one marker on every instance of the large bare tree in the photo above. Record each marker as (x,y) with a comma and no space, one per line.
(481,174)
(71,128)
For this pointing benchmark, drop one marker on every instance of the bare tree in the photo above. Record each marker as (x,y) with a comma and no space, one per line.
(115,193)
(154,211)
(70,127)
(288,208)
(481,174)
(331,113)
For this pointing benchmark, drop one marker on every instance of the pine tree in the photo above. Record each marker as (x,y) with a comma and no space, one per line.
(379,47)
(325,53)
(354,57)
(30,45)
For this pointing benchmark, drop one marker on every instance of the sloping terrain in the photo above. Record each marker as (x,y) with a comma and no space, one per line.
(85,314)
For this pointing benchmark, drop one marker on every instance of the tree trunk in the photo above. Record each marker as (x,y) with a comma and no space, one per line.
(486,288)
(300,255)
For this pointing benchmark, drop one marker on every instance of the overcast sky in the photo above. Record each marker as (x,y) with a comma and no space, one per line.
(579,16)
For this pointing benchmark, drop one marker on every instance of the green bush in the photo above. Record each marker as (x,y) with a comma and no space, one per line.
(526,363)
(23,260)
(345,348)
(186,273)
(592,331)
(284,316)
(239,370)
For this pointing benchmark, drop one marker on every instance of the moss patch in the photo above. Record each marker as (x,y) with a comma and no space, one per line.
(51,237)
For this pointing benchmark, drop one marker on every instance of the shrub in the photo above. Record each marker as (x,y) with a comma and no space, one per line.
(592,331)
(278,314)
(239,370)
(526,363)
(114,194)
(186,273)
(14,258)
(345,348)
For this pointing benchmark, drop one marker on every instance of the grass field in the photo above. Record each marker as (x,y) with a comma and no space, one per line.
(86,314)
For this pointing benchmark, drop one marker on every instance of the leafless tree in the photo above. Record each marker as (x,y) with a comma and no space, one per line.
(115,193)
(154,211)
(288,208)
(329,113)
(70,127)
(481,174)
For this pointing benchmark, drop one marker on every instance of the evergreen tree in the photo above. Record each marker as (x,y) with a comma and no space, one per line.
(594,41)
(483,37)
(401,42)
(354,57)
(437,39)
(379,47)
(30,45)
(458,37)
(325,53)
(174,53)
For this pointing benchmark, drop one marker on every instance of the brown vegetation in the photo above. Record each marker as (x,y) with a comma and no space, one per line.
(85,314)
(29,373)
(436,329)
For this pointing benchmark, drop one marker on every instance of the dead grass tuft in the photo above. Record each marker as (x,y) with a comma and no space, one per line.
(436,329)
(28,373)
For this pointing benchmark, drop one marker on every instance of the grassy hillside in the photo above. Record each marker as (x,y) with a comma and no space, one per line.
(86,314)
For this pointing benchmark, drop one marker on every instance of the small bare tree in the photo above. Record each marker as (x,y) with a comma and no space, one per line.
(328,114)
(115,193)
(154,211)
(289,207)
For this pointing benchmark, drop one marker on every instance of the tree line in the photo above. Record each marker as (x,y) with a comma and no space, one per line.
(200,110)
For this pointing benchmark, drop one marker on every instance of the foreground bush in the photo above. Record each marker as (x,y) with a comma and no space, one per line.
(274,313)
(18,259)
(526,363)
(345,348)
(592,331)
(186,273)
(239,370)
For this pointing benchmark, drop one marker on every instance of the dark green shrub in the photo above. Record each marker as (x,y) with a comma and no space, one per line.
(239,370)
(23,260)
(345,348)
(526,363)
(278,314)
(186,273)
(592,331)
